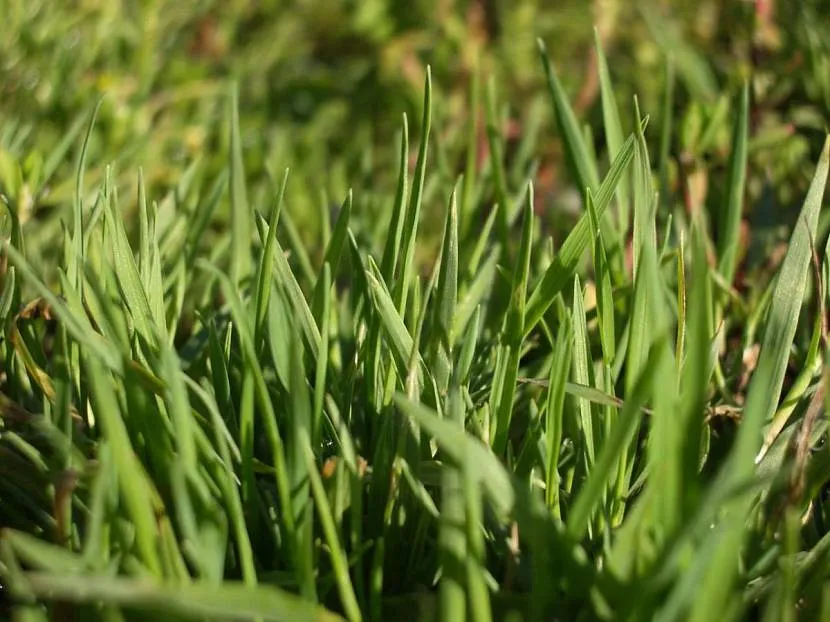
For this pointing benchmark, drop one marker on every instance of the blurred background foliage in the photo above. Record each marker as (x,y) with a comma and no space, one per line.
(323,84)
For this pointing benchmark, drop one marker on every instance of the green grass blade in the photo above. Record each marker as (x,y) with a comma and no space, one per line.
(613,135)
(446,299)
(477,291)
(241,264)
(581,373)
(125,267)
(263,400)
(561,271)
(338,555)
(513,334)
(644,206)
(266,265)
(764,391)
(604,291)
(695,371)
(391,249)
(300,429)
(730,221)
(554,414)
(461,448)
(75,266)
(231,601)
(582,165)
(131,476)
(334,249)
(452,540)
(613,449)
(413,213)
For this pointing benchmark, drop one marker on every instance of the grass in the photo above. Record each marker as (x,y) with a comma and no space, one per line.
(432,403)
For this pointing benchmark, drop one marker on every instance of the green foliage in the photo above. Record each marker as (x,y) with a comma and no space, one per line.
(220,401)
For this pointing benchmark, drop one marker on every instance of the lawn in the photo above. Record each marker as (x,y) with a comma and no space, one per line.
(322,309)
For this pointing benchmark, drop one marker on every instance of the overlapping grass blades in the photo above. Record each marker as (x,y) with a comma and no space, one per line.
(333,429)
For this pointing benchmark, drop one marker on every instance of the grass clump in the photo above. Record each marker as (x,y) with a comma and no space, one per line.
(242,430)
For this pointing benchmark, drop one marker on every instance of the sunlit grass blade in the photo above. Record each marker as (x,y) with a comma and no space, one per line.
(452,537)
(265,269)
(613,450)
(554,415)
(644,205)
(334,249)
(391,249)
(263,400)
(461,449)
(604,291)
(400,340)
(294,294)
(561,271)
(125,267)
(413,212)
(446,299)
(582,373)
(131,475)
(75,265)
(338,556)
(694,380)
(241,264)
(582,165)
(300,430)
(729,230)
(512,331)
(477,291)
(297,249)
(613,135)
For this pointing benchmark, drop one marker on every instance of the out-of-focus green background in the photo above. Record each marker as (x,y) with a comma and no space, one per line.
(323,84)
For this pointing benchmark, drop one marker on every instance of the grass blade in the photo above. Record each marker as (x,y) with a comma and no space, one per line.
(564,264)
(729,231)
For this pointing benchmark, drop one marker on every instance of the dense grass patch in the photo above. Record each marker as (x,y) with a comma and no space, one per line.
(455,403)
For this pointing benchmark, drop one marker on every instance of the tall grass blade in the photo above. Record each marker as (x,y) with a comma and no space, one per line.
(730,221)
